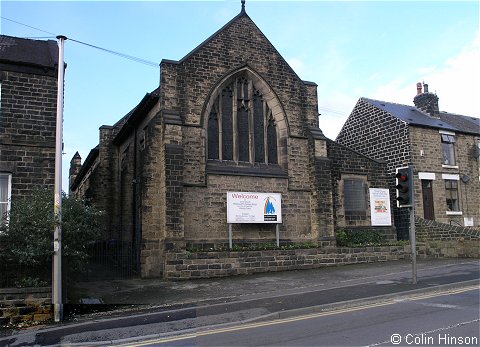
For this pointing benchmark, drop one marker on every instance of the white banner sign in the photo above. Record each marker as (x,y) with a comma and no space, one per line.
(380,207)
(245,207)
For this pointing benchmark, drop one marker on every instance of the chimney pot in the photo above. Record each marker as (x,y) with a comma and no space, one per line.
(419,88)
(425,88)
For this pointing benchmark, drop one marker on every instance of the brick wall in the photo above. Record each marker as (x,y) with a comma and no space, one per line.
(27,130)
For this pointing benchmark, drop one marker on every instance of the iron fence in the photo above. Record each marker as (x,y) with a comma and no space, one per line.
(107,259)
(111,259)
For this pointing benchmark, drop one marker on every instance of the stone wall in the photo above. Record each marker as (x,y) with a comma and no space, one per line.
(443,240)
(377,134)
(349,164)
(428,158)
(218,264)
(19,305)
(27,130)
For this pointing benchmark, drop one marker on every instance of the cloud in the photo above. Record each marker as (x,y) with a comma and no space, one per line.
(456,82)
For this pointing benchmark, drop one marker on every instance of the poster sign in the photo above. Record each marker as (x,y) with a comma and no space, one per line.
(380,207)
(243,207)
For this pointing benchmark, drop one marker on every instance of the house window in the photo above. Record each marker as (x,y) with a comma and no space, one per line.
(448,149)
(451,194)
(5,194)
(241,126)
(354,196)
(478,149)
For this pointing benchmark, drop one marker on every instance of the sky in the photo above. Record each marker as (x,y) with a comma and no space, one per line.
(355,49)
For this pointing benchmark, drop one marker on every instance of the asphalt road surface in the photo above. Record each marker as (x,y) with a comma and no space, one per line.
(357,305)
(436,319)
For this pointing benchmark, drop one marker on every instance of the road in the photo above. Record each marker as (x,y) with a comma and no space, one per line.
(434,319)
(263,297)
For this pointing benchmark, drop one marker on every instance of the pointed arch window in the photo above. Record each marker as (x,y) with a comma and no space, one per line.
(241,126)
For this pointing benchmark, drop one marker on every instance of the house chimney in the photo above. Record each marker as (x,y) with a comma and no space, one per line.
(419,88)
(426,101)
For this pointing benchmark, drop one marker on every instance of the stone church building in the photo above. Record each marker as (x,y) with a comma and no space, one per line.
(231,116)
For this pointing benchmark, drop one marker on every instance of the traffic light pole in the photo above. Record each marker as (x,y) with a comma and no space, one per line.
(413,243)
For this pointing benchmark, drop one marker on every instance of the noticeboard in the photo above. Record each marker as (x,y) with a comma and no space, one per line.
(246,207)
(380,207)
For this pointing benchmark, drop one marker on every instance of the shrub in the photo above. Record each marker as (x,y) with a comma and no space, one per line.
(28,236)
(349,238)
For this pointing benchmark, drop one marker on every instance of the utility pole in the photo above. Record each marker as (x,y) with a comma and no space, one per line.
(57,233)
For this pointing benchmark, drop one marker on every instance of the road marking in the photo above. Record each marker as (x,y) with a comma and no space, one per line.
(431,304)
(298,318)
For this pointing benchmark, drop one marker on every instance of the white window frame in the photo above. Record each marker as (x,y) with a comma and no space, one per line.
(454,177)
(452,140)
(426,176)
(9,192)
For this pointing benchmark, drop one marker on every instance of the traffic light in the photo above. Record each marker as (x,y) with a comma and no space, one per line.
(404,186)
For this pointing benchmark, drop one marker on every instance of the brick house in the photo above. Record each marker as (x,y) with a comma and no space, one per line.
(28,101)
(231,116)
(442,147)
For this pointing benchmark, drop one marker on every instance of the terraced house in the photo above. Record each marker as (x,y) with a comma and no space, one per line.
(28,101)
(443,148)
(231,116)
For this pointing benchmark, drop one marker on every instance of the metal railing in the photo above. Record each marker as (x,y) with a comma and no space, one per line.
(111,259)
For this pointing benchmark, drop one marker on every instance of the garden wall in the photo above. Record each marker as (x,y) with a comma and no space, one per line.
(19,305)
(444,240)
(188,265)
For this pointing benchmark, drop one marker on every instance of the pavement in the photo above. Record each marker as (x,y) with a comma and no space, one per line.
(396,275)
(142,307)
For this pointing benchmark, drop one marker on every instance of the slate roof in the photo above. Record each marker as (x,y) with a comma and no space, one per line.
(414,116)
(38,53)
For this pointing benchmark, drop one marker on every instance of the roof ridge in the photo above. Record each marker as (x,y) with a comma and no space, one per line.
(390,102)
(211,37)
(418,109)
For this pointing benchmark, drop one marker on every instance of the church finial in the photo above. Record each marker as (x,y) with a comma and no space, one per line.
(243,5)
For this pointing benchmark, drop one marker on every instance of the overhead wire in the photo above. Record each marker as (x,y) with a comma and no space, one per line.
(28,26)
(122,55)
(133,58)
(329,110)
